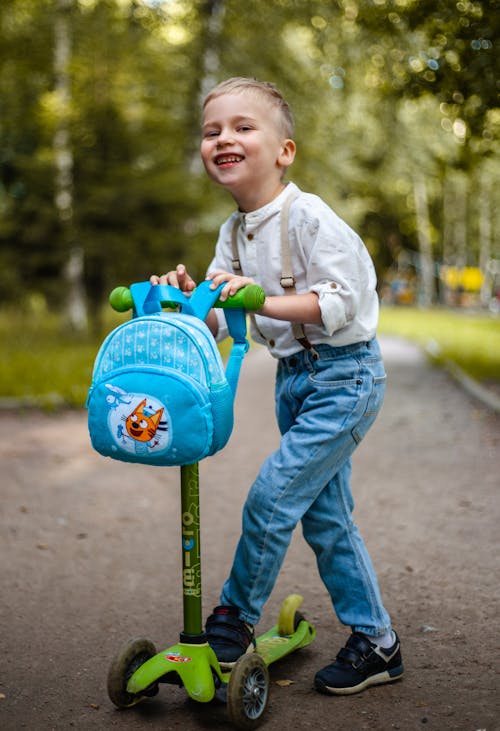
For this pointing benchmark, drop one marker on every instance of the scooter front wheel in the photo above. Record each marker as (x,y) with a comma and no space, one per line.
(130,657)
(248,691)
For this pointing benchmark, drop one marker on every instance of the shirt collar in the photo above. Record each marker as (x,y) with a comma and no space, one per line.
(253,219)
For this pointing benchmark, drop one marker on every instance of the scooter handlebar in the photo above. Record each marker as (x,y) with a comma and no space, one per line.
(249,298)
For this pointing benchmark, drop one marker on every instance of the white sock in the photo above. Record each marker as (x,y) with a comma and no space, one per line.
(386,640)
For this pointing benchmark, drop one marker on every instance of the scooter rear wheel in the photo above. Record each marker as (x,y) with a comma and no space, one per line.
(290,617)
(248,691)
(130,657)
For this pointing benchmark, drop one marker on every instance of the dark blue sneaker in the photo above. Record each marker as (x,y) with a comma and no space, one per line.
(359,664)
(229,636)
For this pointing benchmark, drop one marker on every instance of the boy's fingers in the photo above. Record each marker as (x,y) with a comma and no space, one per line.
(185,282)
(169,278)
(176,278)
(233,283)
(225,293)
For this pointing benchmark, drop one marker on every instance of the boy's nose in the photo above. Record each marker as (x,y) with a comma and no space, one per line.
(225,138)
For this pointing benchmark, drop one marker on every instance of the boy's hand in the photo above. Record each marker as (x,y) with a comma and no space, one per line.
(234,282)
(177,278)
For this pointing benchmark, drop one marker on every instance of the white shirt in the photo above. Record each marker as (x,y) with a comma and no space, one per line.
(328,258)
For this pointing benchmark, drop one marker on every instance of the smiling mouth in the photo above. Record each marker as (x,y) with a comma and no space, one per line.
(228,159)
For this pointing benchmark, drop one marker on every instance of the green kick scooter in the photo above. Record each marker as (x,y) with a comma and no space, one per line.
(138,669)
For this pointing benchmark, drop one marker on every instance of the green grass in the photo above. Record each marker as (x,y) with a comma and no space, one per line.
(471,341)
(43,364)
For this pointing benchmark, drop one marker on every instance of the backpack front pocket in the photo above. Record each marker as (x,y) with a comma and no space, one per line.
(152,416)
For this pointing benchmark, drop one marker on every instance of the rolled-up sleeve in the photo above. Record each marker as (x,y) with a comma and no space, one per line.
(337,270)
(336,304)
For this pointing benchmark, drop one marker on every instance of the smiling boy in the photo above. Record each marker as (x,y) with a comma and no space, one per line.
(319,321)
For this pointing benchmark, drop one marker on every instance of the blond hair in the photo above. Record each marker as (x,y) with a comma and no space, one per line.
(265,90)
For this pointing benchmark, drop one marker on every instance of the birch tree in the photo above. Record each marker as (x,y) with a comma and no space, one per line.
(63,159)
(426,268)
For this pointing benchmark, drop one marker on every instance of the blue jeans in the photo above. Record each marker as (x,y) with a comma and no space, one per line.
(324,408)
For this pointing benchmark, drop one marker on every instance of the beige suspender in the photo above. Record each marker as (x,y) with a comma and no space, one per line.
(287,280)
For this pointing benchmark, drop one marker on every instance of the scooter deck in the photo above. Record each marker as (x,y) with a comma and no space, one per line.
(272,645)
(193,663)
(196,665)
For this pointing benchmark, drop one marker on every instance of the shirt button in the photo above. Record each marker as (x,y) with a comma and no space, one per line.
(272,343)
(249,237)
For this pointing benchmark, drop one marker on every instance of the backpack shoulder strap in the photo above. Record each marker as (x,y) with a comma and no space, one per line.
(237,326)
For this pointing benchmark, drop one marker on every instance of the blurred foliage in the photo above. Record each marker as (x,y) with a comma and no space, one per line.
(380,89)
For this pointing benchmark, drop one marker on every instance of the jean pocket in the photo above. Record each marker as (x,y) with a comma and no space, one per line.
(324,380)
(373,406)
(336,373)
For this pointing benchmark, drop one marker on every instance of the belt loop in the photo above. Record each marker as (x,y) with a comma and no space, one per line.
(311,356)
(312,352)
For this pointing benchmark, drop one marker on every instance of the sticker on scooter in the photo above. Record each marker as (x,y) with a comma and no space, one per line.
(177,657)
(274,641)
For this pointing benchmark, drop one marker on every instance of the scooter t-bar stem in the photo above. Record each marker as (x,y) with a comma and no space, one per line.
(191,554)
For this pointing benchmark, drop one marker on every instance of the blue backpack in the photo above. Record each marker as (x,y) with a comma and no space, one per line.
(159,392)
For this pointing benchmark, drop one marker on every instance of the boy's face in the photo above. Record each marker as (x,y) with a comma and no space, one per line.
(244,149)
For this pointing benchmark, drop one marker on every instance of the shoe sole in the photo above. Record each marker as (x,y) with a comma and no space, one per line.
(388,676)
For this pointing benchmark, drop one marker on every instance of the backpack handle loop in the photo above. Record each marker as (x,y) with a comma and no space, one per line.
(150,298)
(146,299)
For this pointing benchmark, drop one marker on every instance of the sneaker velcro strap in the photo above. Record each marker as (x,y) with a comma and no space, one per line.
(363,659)
(349,656)
(227,626)
(357,650)
(228,632)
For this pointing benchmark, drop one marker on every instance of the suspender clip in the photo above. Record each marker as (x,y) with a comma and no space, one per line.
(287,282)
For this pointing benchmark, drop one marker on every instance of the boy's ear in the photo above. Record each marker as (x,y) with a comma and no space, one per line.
(287,153)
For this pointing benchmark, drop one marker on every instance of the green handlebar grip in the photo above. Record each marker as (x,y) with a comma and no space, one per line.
(251,297)
(120,299)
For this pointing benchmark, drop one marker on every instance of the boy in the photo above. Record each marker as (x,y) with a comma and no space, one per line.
(329,387)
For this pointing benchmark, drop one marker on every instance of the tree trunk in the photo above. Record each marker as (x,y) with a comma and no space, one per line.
(460,229)
(213,13)
(426,266)
(485,237)
(63,157)
(448,219)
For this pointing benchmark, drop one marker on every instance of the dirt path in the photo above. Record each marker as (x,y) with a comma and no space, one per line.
(89,555)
